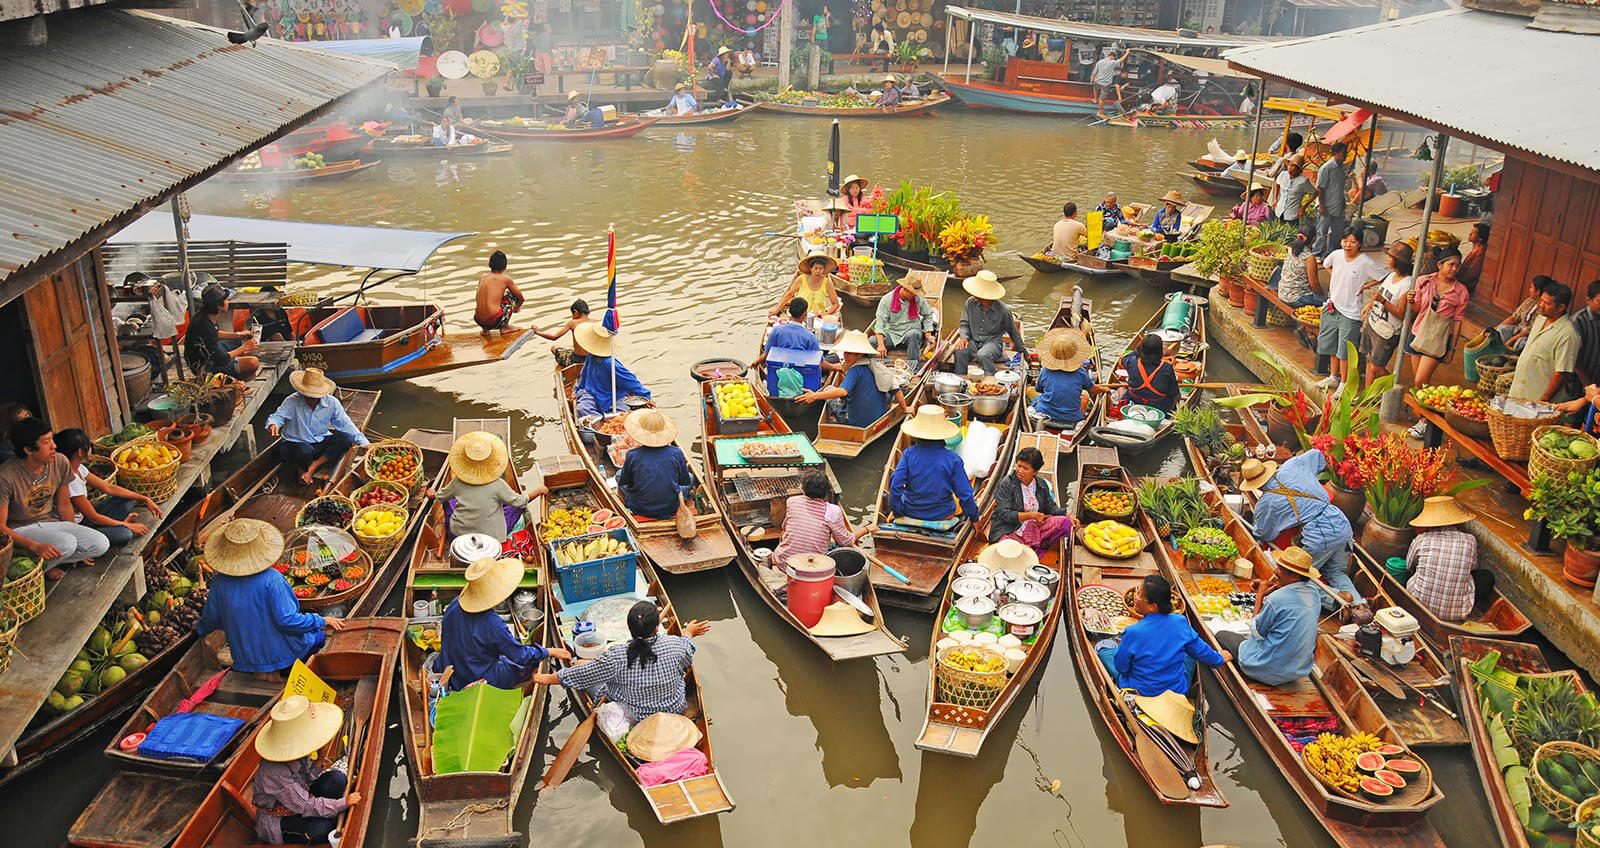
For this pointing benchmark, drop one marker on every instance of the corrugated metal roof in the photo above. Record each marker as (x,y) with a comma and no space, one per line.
(1464,71)
(1103,32)
(314,244)
(1335,4)
(120,108)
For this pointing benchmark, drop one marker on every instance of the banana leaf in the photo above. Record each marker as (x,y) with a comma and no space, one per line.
(472,729)
(1517,790)
(1505,754)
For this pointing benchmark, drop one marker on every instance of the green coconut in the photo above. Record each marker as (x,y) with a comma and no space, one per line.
(112,676)
(133,662)
(152,618)
(81,666)
(56,701)
(69,684)
(99,641)
(158,600)
(74,702)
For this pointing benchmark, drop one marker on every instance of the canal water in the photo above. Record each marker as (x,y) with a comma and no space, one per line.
(812,753)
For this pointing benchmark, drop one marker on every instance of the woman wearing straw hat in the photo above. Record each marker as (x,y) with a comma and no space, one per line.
(1159,652)
(1025,509)
(655,476)
(476,643)
(594,395)
(682,102)
(1063,381)
(859,399)
(854,193)
(252,604)
(1442,560)
(985,323)
(315,429)
(813,282)
(1283,635)
(1254,208)
(930,479)
(719,76)
(1169,219)
(645,675)
(890,97)
(1292,498)
(477,495)
(296,802)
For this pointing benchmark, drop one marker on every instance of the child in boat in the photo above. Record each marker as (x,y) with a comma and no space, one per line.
(498,297)
(296,802)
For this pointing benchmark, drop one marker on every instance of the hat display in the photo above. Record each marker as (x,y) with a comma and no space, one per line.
(489,582)
(1007,555)
(661,735)
(650,427)
(984,285)
(312,383)
(805,264)
(1172,711)
(1064,349)
(1441,511)
(1296,560)
(841,619)
(1172,197)
(594,337)
(1253,474)
(855,341)
(244,546)
(930,423)
(297,728)
(478,458)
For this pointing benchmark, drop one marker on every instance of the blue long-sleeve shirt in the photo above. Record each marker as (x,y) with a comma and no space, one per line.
(1168,223)
(299,421)
(863,403)
(262,619)
(652,479)
(1150,656)
(1323,525)
(1061,394)
(595,380)
(481,647)
(928,482)
(1283,636)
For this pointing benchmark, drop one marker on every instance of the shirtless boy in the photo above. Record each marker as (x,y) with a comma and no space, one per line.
(580,315)
(498,297)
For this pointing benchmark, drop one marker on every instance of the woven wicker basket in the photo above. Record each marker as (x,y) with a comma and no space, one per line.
(1513,437)
(1489,375)
(1559,805)
(300,517)
(379,547)
(405,495)
(390,446)
(8,638)
(1263,259)
(963,688)
(1541,462)
(104,447)
(157,483)
(23,598)
(1278,318)
(106,470)
(1586,812)
(1467,426)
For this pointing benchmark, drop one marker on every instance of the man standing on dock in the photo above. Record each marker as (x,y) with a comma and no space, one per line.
(1105,80)
(1332,180)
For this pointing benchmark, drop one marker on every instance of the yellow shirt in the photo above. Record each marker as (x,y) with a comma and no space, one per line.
(1066,234)
(816,297)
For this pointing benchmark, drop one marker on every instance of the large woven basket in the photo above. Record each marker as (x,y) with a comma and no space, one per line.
(300,517)
(1559,805)
(1263,259)
(1489,375)
(106,470)
(23,598)
(157,483)
(386,447)
(8,638)
(1512,437)
(1586,813)
(103,446)
(379,547)
(1278,318)
(1542,462)
(405,495)
(1467,426)
(964,688)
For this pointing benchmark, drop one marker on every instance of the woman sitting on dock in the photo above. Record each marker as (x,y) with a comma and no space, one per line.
(930,480)
(252,604)
(812,523)
(655,475)
(476,643)
(645,675)
(1298,281)
(114,516)
(477,495)
(1157,653)
(813,280)
(296,802)
(594,393)
(1026,510)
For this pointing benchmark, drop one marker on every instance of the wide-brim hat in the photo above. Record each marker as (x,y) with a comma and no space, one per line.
(661,735)
(1253,474)
(478,458)
(724,51)
(1064,349)
(855,341)
(1172,197)
(650,427)
(1008,555)
(573,94)
(594,337)
(311,382)
(298,727)
(244,546)
(1172,711)
(984,285)
(489,582)
(836,204)
(1441,511)
(1296,560)
(679,87)
(1239,155)
(841,619)
(853,178)
(930,423)
(804,265)
(912,283)
(889,78)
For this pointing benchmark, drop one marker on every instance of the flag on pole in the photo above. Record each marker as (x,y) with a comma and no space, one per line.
(612,321)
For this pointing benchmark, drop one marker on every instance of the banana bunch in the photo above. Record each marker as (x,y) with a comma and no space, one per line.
(1333,757)
(599,547)
(562,523)
(1112,538)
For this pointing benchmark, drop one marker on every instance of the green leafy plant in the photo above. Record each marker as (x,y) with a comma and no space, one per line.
(994,56)
(1208,543)
(1465,176)
(906,52)
(923,214)
(442,29)
(1275,232)
(1203,426)
(472,729)
(1569,507)
(1399,477)
(1223,249)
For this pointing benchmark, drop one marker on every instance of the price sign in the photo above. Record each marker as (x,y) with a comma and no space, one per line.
(533,79)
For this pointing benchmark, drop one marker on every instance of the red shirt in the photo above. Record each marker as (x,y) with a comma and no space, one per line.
(1452,305)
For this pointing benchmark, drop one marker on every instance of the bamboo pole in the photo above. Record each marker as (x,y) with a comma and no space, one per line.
(1392,403)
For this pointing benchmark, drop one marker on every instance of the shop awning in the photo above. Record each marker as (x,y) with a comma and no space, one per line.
(120,110)
(1335,4)
(1200,64)
(1101,32)
(310,244)
(403,53)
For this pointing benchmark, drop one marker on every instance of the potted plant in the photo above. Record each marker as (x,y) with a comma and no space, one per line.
(995,60)
(1453,180)
(490,86)
(905,55)
(1339,437)
(1291,416)
(434,86)
(1222,254)
(963,241)
(923,215)
(518,65)
(1398,479)
(1569,506)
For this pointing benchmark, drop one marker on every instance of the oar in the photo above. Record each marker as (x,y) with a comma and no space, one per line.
(564,761)
(891,572)
(1163,773)
(1424,694)
(1384,682)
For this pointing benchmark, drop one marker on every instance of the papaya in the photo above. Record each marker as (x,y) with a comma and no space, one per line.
(1554,773)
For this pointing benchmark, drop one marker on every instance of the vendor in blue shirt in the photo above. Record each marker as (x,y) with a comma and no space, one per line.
(253,605)
(1062,378)
(1292,498)
(593,394)
(1283,635)
(316,430)
(476,643)
(930,480)
(857,401)
(1158,652)
(1169,219)
(791,334)
(1152,381)
(655,475)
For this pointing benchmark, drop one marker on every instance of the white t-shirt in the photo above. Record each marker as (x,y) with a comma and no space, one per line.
(1393,288)
(78,487)
(1349,275)
(1162,94)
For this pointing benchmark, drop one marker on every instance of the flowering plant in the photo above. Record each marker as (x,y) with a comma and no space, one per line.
(1342,455)
(1398,478)
(966,238)
(922,214)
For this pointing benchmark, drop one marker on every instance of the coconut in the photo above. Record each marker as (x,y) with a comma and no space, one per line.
(111,676)
(74,702)
(126,649)
(158,600)
(133,662)
(56,701)
(82,666)
(1390,778)
(180,585)
(99,641)
(152,618)
(69,684)
(1376,788)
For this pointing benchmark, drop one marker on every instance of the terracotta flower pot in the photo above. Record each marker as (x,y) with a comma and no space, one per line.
(199,424)
(1383,541)
(1579,566)
(179,437)
(1450,205)
(1351,502)
(1251,300)
(1235,292)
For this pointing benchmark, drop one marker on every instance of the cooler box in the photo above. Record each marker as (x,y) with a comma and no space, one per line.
(807,362)
(608,114)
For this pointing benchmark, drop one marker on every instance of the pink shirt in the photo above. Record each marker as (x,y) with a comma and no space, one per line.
(1452,305)
(808,526)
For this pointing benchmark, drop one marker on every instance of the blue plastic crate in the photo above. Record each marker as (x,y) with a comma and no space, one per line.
(597,577)
(807,362)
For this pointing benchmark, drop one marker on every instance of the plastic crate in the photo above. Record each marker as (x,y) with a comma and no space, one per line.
(731,426)
(597,578)
(807,362)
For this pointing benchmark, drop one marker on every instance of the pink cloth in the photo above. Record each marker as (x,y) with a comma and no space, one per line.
(894,305)
(680,766)
(1043,536)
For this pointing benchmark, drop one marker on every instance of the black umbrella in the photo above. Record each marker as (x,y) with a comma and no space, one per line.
(833,161)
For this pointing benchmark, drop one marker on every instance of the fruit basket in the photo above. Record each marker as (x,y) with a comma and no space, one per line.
(1108,499)
(1112,539)
(1466,425)
(395,461)
(8,638)
(133,434)
(1491,367)
(1099,606)
(1263,259)
(22,594)
(970,676)
(1588,826)
(1362,766)
(379,528)
(1310,318)
(106,470)
(1572,761)
(328,511)
(595,565)
(1559,451)
(324,566)
(1512,436)
(149,469)
(380,492)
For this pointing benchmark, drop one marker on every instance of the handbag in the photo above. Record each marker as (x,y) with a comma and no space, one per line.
(1433,338)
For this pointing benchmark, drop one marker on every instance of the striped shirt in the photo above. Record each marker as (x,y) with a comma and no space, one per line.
(655,688)
(808,526)
(1442,561)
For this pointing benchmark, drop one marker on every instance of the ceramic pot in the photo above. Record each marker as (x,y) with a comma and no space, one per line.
(1236,292)
(1251,300)
(1351,502)
(1279,428)
(179,437)
(1383,541)
(199,424)
(1577,565)
(964,268)
(1450,205)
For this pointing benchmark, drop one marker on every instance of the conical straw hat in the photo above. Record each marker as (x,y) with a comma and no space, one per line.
(244,546)
(661,735)
(984,285)
(297,728)
(1064,349)
(594,337)
(650,427)
(930,423)
(489,581)
(1173,712)
(841,619)
(1441,511)
(312,383)
(478,458)
(1008,555)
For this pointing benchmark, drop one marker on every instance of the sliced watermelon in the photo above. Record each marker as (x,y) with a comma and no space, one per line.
(1390,778)
(1369,762)
(1376,788)
(615,522)
(1403,766)
(601,516)
(1391,750)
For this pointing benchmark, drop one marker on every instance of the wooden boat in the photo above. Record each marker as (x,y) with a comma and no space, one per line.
(1165,779)
(1519,658)
(909,107)
(1203,164)
(1086,264)
(335,141)
(863,294)
(478,807)
(573,481)
(419,147)
(749,499)
(1495,618)
(361,674)
(1075,311)
(330,171)
(1178,121)
(1217,184)
(624,127)
(1182,345)
(149,801)
(1332,690)
(360,345)
(836,438)
(711,546)
(716,116)
(1059,97)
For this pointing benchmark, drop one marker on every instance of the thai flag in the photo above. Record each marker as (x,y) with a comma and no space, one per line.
(612,321)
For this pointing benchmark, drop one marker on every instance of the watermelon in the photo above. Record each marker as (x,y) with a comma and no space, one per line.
(1390,778)
(1391,750)
(1376,788)
(601,516)
(1403,766)
(1369,762)
(615,522)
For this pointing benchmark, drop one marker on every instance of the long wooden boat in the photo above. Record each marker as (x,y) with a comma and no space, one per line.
(1518,658)
(336,141)
(1330,691)
(361,673)
(985,94)
(749,499)
(715,116)
(1087,264)
(1495,618)
(909,107)
(475,808)
(836,438)
(1263,162)
(711,546)
(1188,344)
(405,147)
(577,484)
(361,345)
(1167,781)
(624,127)
(1178,121)
(50,734)
(1074,311)
(330,171)
(1217,184)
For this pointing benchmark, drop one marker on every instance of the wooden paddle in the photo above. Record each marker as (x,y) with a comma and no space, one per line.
(568,756)
(1382,681)
(227,514)
(1158,767)
(890,571)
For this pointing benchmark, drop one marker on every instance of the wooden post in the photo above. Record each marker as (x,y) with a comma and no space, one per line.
(785,43)
(814,66)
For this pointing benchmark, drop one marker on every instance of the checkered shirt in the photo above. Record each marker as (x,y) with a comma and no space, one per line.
(656,688)
(1442,562)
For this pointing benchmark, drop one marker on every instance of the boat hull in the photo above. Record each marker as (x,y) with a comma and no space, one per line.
(920,107)
(990,96)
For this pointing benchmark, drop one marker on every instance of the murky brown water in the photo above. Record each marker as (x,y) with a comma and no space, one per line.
(813,754)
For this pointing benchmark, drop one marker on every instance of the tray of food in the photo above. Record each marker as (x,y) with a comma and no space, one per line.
(770,452)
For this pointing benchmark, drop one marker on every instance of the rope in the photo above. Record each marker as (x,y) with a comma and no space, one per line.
(463,817)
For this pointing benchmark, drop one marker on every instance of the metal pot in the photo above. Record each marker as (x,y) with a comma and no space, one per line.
(470,548)
(955,403)
(850,570)
(1028,592)
(1006,377)
(975,612)
(991,406)
(944,381)
(1045,576)
(971,587)
(973,569)
(1022,620)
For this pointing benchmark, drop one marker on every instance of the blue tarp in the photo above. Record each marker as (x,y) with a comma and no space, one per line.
(310,244)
